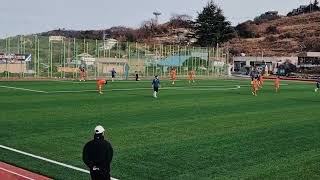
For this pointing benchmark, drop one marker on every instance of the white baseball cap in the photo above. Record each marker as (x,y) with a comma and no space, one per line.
(99,129)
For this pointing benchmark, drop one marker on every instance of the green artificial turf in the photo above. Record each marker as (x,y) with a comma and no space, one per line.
(209,130)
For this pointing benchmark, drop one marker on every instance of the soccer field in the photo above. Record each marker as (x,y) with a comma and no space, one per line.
(214,129)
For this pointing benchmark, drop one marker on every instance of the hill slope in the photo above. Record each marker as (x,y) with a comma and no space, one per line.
(281,37)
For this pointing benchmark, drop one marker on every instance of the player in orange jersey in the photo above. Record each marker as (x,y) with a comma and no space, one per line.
(191,76)
(276,84)
(173,74)
(83,74)
(261,80)
(99,85)
(255,87)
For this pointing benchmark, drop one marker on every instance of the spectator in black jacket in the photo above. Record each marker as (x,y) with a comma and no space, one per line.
(97,155)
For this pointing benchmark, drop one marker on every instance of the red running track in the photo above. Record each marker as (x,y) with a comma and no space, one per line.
(8,172)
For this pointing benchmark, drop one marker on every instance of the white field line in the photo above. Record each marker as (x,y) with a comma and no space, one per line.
(52,92)
(211,89)
(185,88)
(25,177)
(23,89)
(95,81)
(163,88)
(267,85)
(47,160)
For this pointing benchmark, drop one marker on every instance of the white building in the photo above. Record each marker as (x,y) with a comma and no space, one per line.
(242,62)
(87,59)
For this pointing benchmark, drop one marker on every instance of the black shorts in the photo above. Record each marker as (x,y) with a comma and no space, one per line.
(100,175)
(113,76)
(156,89)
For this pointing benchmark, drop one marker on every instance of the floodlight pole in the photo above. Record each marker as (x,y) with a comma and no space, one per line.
(49,58)
(51,64)
(35,56)
(38,43)
(64,59)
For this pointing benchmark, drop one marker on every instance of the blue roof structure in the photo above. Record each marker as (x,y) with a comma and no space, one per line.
(175,60)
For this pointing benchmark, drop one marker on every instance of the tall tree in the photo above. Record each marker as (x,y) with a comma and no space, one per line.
(212,26)
(316,5)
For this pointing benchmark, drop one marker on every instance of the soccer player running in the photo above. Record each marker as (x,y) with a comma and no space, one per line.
(99,85)
(276,84)
(113,74)
(317,85)
(83,74)
(261,80)
(191,76)
(155,85)
(255,87)
(173,75)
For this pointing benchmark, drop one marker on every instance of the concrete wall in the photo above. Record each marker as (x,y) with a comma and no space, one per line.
(13,68)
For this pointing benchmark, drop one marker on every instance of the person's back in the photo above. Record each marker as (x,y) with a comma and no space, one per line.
(155,84)
(97,155)
(113,73)
(101,82)
(99,151)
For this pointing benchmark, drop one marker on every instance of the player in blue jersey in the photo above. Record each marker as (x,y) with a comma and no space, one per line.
(155,85)
(113,74)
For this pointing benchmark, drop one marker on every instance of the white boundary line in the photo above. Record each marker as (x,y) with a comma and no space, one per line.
(47,160)
(190,88)
(95,81)
(6,170)
(53,92)
(23,89)
(211,89)
(185,88)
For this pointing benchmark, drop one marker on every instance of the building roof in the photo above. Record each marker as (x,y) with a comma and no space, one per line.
(86,55)
(309,54)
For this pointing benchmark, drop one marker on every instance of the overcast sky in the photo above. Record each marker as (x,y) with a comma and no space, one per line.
(32,16)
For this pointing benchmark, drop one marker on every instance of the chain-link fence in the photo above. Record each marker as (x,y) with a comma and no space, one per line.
(63,58)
